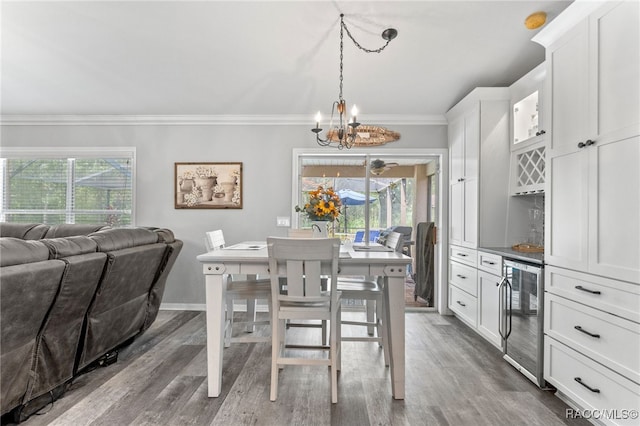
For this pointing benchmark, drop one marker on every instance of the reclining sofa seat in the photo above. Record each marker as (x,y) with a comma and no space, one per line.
(59,339)
(119,308)
(30,282)
(173,248)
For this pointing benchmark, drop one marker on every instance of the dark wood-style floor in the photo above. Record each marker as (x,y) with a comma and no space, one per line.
(453,377)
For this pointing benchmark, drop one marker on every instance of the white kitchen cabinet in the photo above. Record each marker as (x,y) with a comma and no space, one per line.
(488,307)
(594,82)
(478,167)
(592,230)
(464,146)
(528,124)
(593,203)
(593,206)
(528,133)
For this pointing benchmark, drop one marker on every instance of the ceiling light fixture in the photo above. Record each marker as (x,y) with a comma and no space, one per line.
(344,133)
(535,20)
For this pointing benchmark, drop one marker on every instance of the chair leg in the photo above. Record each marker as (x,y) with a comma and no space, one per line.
(324,332)
(378,320)
(229,329)
(370,315)
(385,334)
(276,331)
(334,348)
(251,315)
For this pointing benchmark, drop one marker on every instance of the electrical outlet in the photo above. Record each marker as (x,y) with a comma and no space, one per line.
(283,221)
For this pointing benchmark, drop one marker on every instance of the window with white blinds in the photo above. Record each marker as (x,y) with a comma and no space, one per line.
(55,186)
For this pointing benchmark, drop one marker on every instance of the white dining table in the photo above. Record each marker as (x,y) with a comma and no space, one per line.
(251,257)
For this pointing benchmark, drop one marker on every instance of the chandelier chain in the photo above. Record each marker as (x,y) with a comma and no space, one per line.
(341,57)
(378,50)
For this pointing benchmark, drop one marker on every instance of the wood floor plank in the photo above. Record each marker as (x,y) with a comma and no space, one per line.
(453,377)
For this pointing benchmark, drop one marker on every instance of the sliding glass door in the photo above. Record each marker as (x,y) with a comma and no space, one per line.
(379,192)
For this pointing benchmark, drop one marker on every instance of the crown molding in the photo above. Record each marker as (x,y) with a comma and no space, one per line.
(206,120)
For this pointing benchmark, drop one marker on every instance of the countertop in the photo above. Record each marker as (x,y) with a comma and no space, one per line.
(537,258)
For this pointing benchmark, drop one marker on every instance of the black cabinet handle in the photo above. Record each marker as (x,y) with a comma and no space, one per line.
(460,303)
(489,262)
(579,287)
(461,276)
(579,380)
(541,132)
(588,142)
(582,330)
(462,254)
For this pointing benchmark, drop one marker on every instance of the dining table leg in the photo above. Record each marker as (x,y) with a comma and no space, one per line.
(394,298)
(215,300)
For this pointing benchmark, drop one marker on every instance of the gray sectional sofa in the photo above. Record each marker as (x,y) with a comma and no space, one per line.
(70,296)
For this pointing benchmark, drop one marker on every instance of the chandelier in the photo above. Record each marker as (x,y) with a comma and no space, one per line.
(344,133)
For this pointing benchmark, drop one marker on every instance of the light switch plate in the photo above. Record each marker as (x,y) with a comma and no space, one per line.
(283,221)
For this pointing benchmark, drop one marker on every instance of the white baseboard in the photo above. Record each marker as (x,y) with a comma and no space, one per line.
(183,307)
(237,307)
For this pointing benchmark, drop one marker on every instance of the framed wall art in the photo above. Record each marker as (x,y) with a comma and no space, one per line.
(208,185)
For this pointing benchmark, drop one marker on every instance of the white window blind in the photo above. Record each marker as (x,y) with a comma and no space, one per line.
(67,186)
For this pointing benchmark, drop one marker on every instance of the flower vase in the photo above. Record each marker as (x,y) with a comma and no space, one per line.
(186,185)
(206,185)
(320,228)
(228,190)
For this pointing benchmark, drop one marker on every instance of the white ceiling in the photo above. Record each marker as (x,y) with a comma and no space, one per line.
(258,57)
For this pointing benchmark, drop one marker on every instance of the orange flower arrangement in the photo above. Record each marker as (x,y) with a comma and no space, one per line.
(324,204)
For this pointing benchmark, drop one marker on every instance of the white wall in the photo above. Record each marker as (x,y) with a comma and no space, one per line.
(265,152)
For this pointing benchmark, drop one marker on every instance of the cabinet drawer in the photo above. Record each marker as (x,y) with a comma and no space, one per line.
(463,304)
(489,262)
(464,255)
(464,277)
(563,367)
(613,296)
(610,340)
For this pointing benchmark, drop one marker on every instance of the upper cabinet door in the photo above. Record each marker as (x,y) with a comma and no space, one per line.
(568,62)
(472,142)
(594,79)
(456,149)
(614,70)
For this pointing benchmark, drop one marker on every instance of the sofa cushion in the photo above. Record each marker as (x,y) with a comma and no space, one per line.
(122,238)
(24,231)
(70,246)
(71,229)
(14,251)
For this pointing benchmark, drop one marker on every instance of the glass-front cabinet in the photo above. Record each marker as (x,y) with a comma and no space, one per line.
(527,109)
(528,140)
(526,119)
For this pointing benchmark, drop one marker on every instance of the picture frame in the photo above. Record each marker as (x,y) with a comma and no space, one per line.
(208,185)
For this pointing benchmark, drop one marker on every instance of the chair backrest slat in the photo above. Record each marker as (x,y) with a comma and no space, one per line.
(295,278)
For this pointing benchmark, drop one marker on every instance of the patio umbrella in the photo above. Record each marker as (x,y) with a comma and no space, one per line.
(352,198)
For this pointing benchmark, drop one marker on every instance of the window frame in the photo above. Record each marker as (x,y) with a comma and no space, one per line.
(70,154)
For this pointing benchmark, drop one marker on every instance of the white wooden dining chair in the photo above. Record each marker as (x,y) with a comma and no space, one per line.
(307,233)
(370,291)
(251,289)
(304,262)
